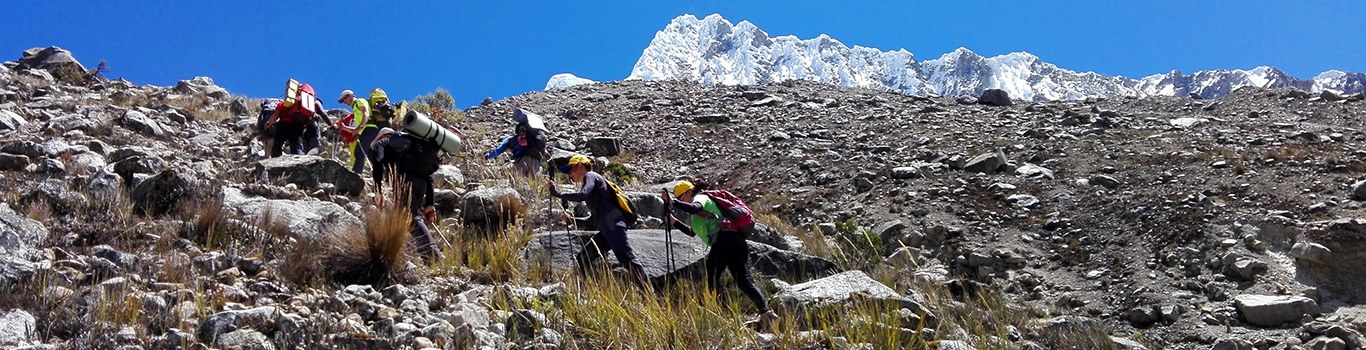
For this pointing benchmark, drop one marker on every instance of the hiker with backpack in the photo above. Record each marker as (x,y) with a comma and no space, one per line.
(608,207)
(723,221)
(413,160)
(291,117)
(364,130)
(527,144)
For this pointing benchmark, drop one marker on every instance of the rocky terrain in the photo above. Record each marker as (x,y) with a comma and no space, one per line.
(139,217)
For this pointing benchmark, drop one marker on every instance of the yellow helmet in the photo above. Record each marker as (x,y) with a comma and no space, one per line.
(576,160)
(377,96)
(682,187)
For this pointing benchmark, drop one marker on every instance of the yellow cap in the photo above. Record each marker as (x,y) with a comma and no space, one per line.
(576,160)
(682,187)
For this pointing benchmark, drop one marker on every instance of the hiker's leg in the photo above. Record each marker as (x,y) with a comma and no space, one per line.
(616,236)
(351,149)
(591,252)
(310,137)
(738,263)
(357,158)
(422,238)
(714,267)
(367,136)
(268,145)
(289,135)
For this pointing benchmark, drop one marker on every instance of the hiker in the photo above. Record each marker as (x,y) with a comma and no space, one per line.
(364,129)
(291,118)
(527,146)
(412,160)
(312,138)
(309,138)
(604,208)
(729,250)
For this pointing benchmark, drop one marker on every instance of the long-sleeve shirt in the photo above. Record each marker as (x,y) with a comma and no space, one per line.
(706,218)
(509,143)
(601,200)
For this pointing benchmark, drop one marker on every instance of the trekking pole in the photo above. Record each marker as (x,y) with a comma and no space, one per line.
(668,238)
(550,210)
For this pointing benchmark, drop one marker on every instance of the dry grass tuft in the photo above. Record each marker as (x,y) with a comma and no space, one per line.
(378,254)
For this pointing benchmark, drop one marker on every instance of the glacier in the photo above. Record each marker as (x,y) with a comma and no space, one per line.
(712,50)
(564,80)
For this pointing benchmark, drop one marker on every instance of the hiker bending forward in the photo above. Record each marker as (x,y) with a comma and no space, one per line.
(602,207)
(415,160)
(729,250)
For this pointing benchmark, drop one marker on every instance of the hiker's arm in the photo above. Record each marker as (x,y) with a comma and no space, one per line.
(687,207)
(274,116)
(431,194)
(507,143)
(679,225)
(589,187)
(321,111)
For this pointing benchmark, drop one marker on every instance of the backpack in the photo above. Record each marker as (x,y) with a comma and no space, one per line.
(267,108)
(382,113)
(420,157)
(737,213)
(535,142)
(299,103)
(628,210)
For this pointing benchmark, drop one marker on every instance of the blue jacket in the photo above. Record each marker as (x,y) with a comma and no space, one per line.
(509,143)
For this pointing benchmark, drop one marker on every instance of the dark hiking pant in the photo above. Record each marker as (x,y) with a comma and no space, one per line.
(422,237)
(731,251)
(611,238)
(363,152)
(287,135)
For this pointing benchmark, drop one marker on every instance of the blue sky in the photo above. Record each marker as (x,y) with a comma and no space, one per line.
(479,49)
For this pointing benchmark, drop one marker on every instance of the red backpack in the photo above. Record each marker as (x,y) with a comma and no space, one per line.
(299,103)
(737,213)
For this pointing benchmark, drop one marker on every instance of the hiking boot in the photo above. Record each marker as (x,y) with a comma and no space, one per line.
(766,321)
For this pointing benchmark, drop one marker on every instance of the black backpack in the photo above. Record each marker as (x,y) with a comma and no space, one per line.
(415,156)
(267,108)
(535,141)
(382,114)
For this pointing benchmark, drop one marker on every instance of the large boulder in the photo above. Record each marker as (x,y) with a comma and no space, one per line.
(245,339)
(1275,310)
(988,162)
(202,86)
(492,207)
(648,204)
(849,287)
(770,236)
(604,146)
(137,164)
(448,176)
(136,121)
(649,246)
(218,325)
(14,162)
(18,233)
(772,261)
(1359,190)
(309,219)
(10,121)
(163,193)
(17,328)
(994,97)
(309,172)
(51,59)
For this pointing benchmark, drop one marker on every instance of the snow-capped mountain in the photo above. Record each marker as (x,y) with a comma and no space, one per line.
(711,50)
(564,80)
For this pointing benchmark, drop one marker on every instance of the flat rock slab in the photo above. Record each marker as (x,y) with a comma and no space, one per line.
(649,246)
(845,287)
(311,219)
(689,255)
(1275,310)
(309,172)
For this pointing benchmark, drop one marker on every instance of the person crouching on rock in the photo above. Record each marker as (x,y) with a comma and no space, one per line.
(729,250)
(415,160)
(603,207)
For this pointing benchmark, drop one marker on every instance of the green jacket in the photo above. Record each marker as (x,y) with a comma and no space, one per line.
(706,227)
